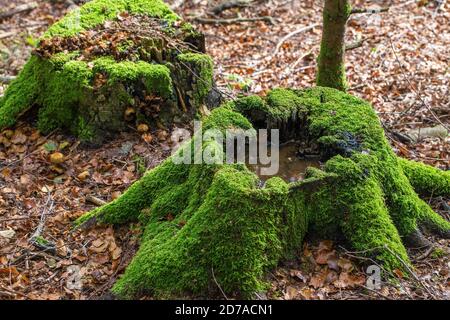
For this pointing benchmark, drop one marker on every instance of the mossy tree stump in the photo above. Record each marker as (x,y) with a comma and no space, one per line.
(112,64)
(224,228)
(228,230)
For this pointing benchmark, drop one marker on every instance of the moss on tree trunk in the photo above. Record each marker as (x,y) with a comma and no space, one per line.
(331,61)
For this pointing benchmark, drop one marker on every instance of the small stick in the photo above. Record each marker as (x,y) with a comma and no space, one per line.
(6,35)
(6,79)
(293,33)
(376,292)
(14,292)
(426,253)
(234,20)
(18,9)
(183,105)
(95,200)
(215,280)
(48,207)
(230,5)
(369,10)
(14,219)
(409,270)
(355,44)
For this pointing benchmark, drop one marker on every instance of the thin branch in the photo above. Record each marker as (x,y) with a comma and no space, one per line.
(6,34)
(369,10)
(95,200)
(376,292)
(19,9)
(355,44)
(407,267)
(230,5)
(14,219)
(14,292)
(293,33)
(48,207)
(6,79)
(218,285)
(268,19)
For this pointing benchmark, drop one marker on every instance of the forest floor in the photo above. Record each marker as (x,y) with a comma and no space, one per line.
(47,181)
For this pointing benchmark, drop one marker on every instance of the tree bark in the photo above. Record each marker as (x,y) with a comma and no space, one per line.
(331,62)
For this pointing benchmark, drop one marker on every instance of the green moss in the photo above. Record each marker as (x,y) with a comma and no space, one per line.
(21,93)
(284,104)
(438,253)
(69,92)
(213,224)
(426,180)
(84,131)
(97,12)
(155,77)
(224,118)
(60,94)
(202,67)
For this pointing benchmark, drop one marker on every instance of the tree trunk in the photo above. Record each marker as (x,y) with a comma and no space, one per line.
(331,61)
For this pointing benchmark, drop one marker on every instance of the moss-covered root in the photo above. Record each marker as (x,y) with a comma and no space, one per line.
(230,241)
(408,211)
(357,199)
(139,196)
(426,180)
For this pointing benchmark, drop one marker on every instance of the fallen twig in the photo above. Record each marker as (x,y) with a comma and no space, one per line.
(14,219)
(355,44)
(369,10)
(293,33)
(6,34)
(410,271)
(233,20)
(6,79)
(95,200)
(426,253)
(14,292)
(48,207)
(376,292)
(220,288)
(230,5)
(19,9)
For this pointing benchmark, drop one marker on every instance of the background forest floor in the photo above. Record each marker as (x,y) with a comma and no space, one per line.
(47,181)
